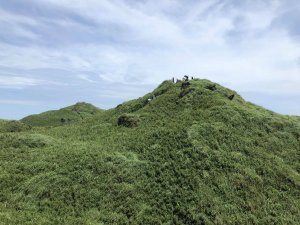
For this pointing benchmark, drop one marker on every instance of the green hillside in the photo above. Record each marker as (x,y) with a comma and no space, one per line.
(13,126)
(192,153)
(63,116)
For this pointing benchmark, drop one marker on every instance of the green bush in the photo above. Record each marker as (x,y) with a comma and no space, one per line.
(13,126)
(25,140)
(128,120)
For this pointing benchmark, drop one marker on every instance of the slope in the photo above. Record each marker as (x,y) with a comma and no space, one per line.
(77,112)
(183,154)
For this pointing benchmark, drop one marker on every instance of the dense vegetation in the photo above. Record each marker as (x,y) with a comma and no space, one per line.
(71,114)
(13,126)
(197,154)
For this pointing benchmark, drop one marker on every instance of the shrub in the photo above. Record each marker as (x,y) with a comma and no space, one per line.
(211,87)
(25,140)
(185,92)
(128,120)
(13,126)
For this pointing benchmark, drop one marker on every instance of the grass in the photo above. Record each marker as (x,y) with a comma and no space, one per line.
(193,156)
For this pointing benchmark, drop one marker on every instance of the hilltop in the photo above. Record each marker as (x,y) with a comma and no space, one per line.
(70,114)
(187,153)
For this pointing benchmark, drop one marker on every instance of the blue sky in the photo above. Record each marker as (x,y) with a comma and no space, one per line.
(54,53)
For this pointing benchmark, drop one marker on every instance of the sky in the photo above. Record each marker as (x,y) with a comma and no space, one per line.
(54,53)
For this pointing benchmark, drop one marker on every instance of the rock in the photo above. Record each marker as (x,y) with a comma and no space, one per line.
(230,97)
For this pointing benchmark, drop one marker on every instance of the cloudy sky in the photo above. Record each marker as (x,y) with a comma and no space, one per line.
(54,53)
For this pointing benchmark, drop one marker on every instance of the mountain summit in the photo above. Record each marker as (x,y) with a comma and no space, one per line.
(191,152)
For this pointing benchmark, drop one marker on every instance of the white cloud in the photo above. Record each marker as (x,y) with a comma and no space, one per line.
(19,82)
(16,25)
(14,81)
(19,102)
(86,78)
(10,18)
(37,57)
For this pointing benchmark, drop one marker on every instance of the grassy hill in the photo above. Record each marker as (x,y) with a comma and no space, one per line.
(74,113)
(182,154)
